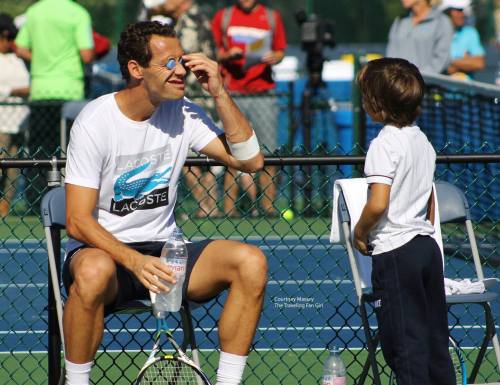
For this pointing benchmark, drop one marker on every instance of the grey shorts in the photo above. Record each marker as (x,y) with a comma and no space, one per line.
(129,287)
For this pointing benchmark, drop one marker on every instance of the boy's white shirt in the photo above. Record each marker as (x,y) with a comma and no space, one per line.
(404,159)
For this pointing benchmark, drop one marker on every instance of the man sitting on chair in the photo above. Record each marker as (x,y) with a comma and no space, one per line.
(125,157)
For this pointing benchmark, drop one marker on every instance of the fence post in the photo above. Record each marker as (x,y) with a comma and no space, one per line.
(55,345)
(358,118)
(292,130)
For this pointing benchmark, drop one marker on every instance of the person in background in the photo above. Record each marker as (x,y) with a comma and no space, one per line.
(250,39)
(57,39)
(14,86)
(193,30)
(422,37)
(467,52)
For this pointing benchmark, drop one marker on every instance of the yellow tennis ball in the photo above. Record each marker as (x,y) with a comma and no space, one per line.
(287,214)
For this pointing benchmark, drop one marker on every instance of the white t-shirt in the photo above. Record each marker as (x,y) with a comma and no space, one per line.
(404,159)
(13,75)
(135,165)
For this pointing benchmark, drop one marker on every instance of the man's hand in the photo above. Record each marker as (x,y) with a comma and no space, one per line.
(207,73)
(273,57)
(361,241)
(149,270)
(233,53)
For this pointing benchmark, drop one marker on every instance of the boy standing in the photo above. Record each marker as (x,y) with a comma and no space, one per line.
(397,222)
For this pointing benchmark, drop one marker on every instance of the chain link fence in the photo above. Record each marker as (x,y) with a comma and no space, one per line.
(310,301)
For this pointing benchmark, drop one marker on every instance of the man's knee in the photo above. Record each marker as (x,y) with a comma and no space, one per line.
(94,279)
(252,267)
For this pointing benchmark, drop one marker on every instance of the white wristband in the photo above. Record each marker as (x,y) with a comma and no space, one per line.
(245,150)
(5,90)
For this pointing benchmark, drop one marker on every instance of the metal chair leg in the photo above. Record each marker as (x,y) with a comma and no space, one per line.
(489,333)
(372,344)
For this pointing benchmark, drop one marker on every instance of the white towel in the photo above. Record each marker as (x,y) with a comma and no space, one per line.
(465,286)
(355,194)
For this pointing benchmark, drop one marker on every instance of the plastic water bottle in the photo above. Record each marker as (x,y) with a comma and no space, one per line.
(334,372)
(173,254)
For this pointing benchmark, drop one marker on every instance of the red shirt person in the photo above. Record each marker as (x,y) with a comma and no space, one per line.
(250,38)
(242,33)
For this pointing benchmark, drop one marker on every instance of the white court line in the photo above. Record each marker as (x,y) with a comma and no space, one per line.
(302,247)
(22,285)
(260,329)
(213,350)
(270,237)
(270,283)
(311,282)
(198,238)
(22,249)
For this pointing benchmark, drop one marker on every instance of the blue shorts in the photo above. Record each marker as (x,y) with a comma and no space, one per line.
(129,286)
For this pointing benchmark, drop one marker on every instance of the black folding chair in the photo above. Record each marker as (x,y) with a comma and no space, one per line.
(53,212)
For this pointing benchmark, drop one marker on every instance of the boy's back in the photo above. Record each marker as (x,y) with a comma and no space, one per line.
(403,158)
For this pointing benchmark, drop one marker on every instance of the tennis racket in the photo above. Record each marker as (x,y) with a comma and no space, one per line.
(169,369)
(457,358)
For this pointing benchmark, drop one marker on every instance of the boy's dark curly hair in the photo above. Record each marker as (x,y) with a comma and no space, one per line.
(134,43)
(392,90)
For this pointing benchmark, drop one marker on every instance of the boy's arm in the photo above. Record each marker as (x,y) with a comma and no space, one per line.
(431,208)
(377,204)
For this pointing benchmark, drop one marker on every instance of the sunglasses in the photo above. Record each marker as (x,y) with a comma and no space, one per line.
(171,63)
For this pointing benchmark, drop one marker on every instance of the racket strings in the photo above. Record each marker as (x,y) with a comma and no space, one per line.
(169,372)
(457,365)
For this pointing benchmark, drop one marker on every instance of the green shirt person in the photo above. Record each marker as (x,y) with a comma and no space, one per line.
(57,39)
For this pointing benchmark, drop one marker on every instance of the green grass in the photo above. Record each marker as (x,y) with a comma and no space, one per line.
(30,227)
(260,227)
(267,367)
(21,228)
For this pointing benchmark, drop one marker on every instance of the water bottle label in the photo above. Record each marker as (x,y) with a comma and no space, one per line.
(178,266)
(331,380)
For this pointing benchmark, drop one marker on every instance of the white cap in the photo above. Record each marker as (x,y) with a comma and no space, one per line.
(152,3)
(459,4)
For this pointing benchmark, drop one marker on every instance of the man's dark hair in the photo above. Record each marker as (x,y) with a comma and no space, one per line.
(134,43)
(7,27)
(392,89)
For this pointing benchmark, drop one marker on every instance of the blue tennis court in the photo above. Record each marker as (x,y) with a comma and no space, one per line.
(310,301)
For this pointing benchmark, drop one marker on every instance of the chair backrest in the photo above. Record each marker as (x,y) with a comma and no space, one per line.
(53,208)
(453,206)
(361,265)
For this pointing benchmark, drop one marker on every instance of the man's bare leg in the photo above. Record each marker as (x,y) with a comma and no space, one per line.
(95,284)
(243,270)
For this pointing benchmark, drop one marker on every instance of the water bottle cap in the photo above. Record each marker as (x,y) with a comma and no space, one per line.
(177,230)
(160,314)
